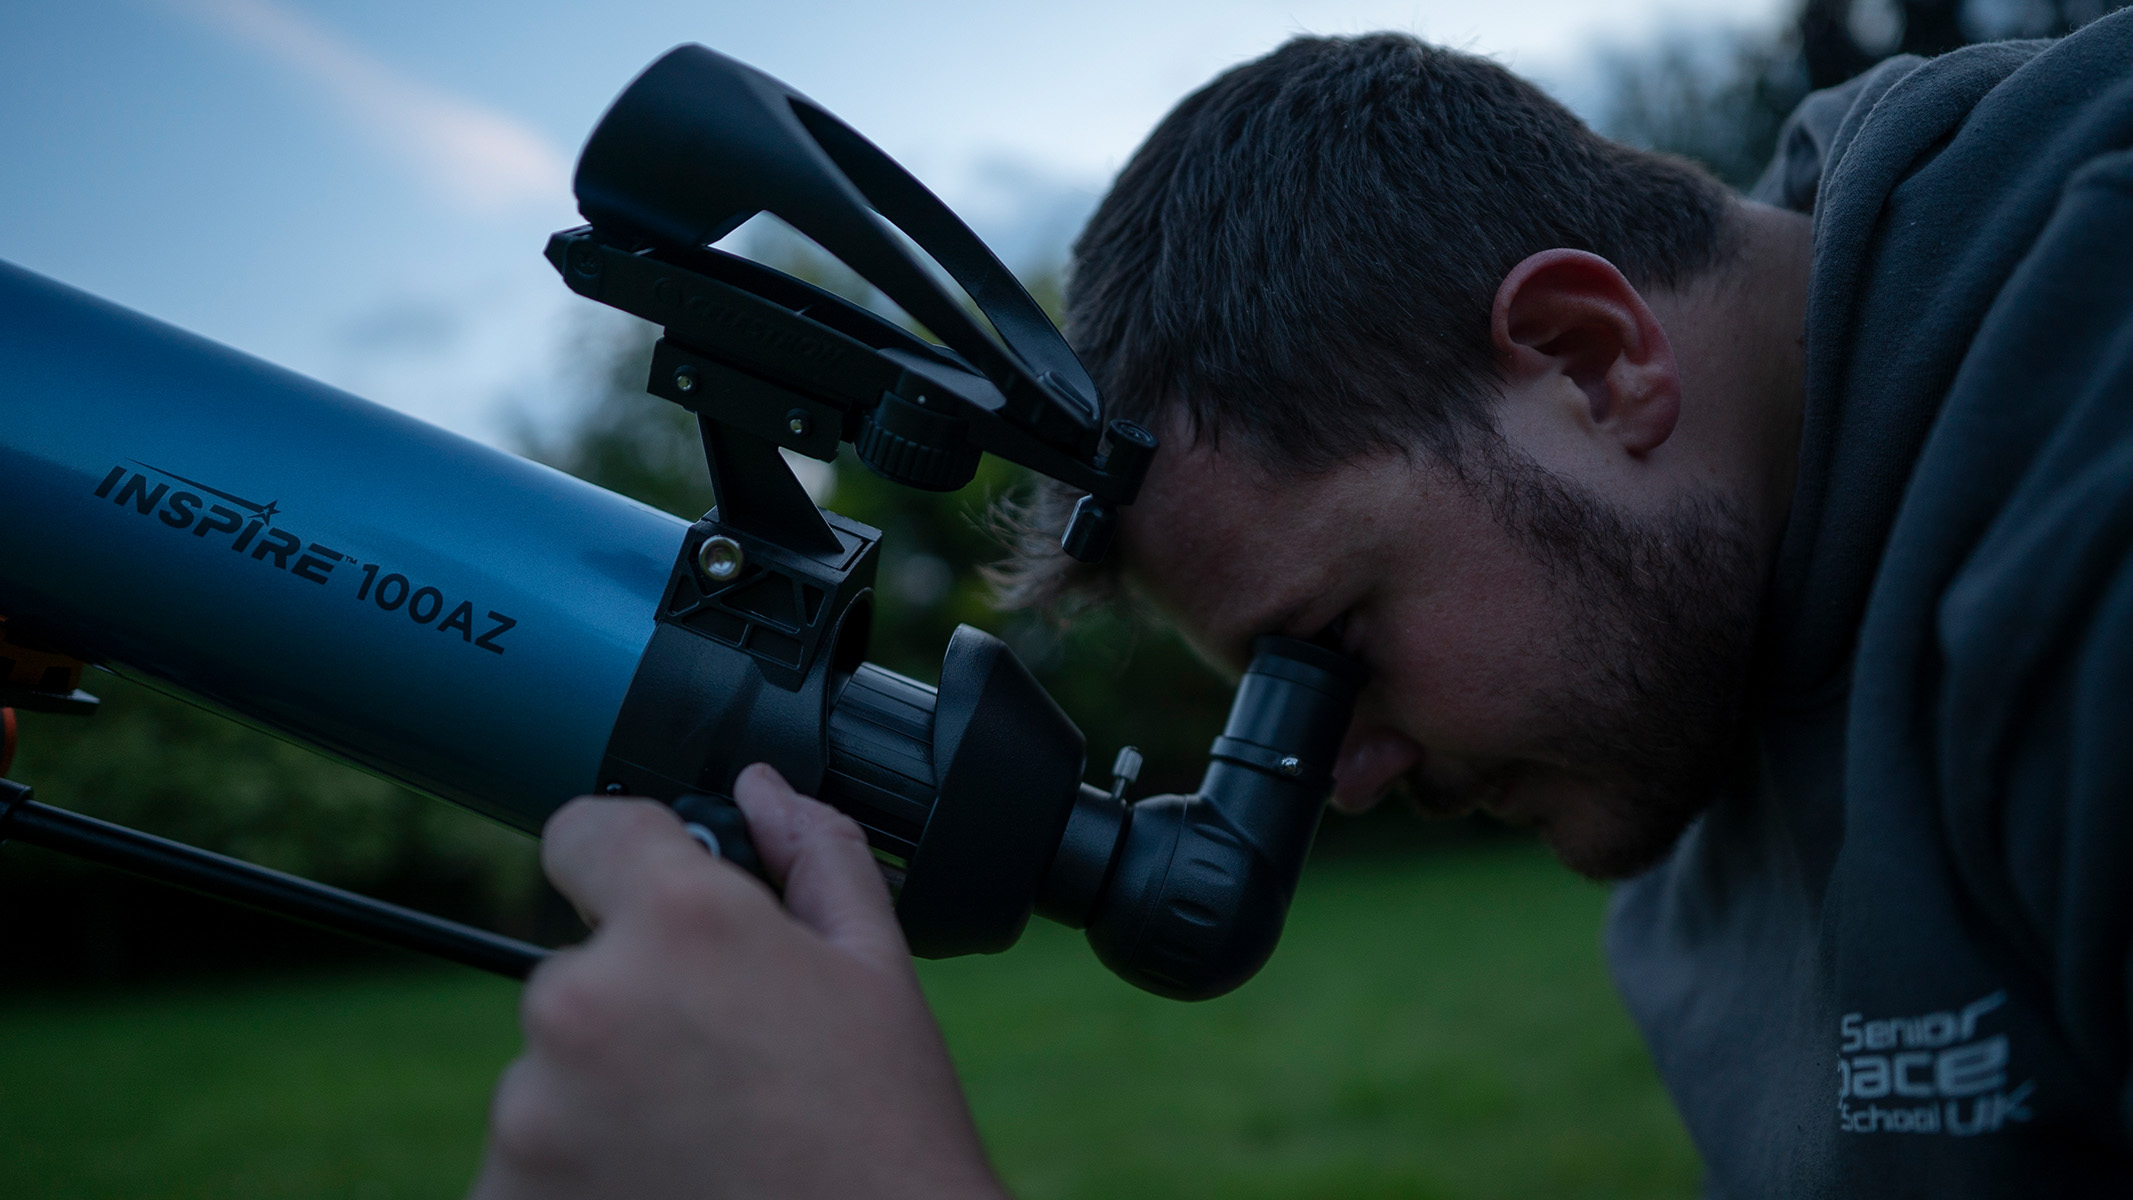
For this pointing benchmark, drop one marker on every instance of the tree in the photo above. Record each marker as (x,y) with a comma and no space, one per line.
(1837,39)
(1722,100)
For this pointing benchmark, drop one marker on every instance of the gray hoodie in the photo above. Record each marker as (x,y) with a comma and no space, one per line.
(1893,958)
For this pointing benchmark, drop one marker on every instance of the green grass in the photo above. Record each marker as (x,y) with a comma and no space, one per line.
(1432,1028)
(324,1087)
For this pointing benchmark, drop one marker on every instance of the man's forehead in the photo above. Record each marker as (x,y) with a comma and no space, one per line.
(1227,546)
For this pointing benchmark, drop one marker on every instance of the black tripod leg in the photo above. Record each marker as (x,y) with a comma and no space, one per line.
(225,878)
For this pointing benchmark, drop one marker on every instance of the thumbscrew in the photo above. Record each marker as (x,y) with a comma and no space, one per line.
(1124,770)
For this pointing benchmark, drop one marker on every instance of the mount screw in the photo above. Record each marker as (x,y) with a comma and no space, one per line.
(720,559)
(797,421)
(1124,770)
(684,379)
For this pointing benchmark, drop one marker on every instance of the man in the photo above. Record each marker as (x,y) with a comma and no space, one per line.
(1777,563)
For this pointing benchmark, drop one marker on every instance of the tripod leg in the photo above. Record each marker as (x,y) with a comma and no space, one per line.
(225,878)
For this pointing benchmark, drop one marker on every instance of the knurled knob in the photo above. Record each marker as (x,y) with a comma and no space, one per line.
(915,447)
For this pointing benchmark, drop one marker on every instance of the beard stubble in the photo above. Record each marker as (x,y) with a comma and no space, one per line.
(1657,642)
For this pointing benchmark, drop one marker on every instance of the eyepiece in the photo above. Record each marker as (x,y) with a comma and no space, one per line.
(1199,886)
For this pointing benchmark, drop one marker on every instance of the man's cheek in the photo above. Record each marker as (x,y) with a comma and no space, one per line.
(1463,687)
(1467,710)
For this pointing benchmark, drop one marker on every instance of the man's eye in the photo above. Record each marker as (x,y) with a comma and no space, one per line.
(1334,636)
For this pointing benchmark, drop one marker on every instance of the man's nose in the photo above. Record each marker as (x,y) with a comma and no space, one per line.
(1371,757)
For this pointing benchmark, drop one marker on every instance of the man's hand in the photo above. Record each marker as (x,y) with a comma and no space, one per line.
(706,1041)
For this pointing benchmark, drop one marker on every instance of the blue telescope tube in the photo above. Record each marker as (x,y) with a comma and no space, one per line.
(436,611)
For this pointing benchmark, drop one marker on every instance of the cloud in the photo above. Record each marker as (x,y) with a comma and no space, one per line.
(473,157)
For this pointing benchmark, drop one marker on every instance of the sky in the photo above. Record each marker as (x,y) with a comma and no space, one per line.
(360,192)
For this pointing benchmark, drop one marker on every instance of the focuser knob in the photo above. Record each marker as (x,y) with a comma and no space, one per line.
(917,446)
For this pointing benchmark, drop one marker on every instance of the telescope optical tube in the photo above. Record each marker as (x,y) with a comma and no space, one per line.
(445,614)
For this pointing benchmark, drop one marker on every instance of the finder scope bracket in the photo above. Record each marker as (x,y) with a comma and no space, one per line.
(698,144)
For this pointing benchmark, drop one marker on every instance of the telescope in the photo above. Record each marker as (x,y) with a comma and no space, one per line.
(496,634)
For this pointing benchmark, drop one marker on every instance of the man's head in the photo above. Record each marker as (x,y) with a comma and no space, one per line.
(1409,330)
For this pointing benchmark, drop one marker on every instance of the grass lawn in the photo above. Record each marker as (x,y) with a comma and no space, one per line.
(1440,1027)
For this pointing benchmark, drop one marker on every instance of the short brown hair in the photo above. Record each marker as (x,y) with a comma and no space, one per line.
(1303,254)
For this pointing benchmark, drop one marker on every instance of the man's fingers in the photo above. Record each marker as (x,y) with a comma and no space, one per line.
(597,851)
(602,853)
(821,859)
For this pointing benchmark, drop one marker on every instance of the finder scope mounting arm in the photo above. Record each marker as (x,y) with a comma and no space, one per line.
(698,144)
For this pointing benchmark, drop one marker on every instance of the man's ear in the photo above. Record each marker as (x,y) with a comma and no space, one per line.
(1569,313)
